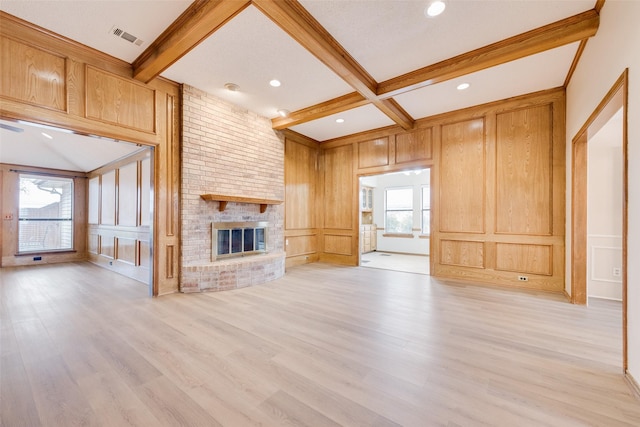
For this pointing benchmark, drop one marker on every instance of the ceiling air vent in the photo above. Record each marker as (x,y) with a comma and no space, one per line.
(120,33)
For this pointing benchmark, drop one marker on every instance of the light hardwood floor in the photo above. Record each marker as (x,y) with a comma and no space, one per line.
(408,263)
(323,346)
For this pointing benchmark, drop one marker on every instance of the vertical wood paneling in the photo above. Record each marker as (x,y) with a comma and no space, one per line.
(108,198)
(300,185)
(373,153)
(128,195)
(32,75)
(94,200)
(145,192)
(301,245)
(524,171)
(462,253)
(462,177)
(535,259)
(171,166)
(338,188)
(113,99)
(414,146)
(169,257)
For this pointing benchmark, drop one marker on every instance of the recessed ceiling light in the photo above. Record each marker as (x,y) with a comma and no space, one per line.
(435,8)
(463,86)
(232,87)
(283,112)
(275,83)
(46,135)
(339,120)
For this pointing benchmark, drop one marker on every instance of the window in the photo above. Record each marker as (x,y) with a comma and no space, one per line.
(45,215)
(399,210)
(426,210)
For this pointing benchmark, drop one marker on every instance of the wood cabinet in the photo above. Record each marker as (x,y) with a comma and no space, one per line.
(366,202)
(368,238)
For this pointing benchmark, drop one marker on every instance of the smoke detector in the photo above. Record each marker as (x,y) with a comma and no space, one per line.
(117,31)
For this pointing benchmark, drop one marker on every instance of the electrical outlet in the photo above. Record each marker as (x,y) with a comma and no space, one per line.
(617,272)
(286,242)
(8,216)
(523,278)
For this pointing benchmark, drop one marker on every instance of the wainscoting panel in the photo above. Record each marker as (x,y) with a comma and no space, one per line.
(535,259)
(462,253)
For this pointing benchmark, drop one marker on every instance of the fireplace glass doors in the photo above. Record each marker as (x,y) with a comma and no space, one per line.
(231,239)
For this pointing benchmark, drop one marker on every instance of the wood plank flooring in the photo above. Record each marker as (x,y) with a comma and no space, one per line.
(323,346)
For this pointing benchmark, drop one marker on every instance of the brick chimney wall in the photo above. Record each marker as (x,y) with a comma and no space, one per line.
(231,151)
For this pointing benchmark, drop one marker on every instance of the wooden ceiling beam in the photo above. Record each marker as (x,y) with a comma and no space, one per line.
(560,33)
(577,27)
(296,21)
(197,22)
(324,109)
(395,112)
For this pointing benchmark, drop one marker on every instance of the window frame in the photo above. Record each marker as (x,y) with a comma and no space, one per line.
(411,209)
(24,219)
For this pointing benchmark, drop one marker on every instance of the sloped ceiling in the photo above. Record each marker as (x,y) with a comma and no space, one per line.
(379,41)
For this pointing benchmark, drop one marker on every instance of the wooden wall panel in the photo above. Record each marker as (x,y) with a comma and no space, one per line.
(373,153)
(32,75)
(128,187)
(338,244)
(412,146)
(462,253)
(107,246)
(108,198)
(300,185)
(144,254)
(462,177)
(524,171)
(301,245)
(145,192)
(92,244)
(94,200)
(535,259)
(339,199)
(113,99)
(126,250)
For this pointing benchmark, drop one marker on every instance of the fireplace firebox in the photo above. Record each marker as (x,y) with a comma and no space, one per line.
(235,239)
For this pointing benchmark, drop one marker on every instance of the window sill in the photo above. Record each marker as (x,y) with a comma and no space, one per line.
(400,235)
(424,236)
(47,252)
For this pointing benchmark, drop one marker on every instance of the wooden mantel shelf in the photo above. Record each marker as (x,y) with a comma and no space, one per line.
(223,200)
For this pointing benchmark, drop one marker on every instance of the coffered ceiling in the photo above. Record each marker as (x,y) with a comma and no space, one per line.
(371,63)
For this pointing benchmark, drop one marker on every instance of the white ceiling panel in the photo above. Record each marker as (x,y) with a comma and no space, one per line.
(356,120)
(392,37)
(90,21)
(250,51)
(545,70)
(27,145)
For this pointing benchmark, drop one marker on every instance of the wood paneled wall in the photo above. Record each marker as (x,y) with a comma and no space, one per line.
(302,205)
(119,235)
(46,78)
(498,184)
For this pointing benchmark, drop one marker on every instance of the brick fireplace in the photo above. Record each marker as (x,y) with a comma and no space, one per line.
(228,151)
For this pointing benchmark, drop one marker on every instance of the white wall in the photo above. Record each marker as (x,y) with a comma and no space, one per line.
(614,48)
(604,211)
(413,245)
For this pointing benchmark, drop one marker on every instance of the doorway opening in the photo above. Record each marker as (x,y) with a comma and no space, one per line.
(395,221)
(598,205)
(100,199)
